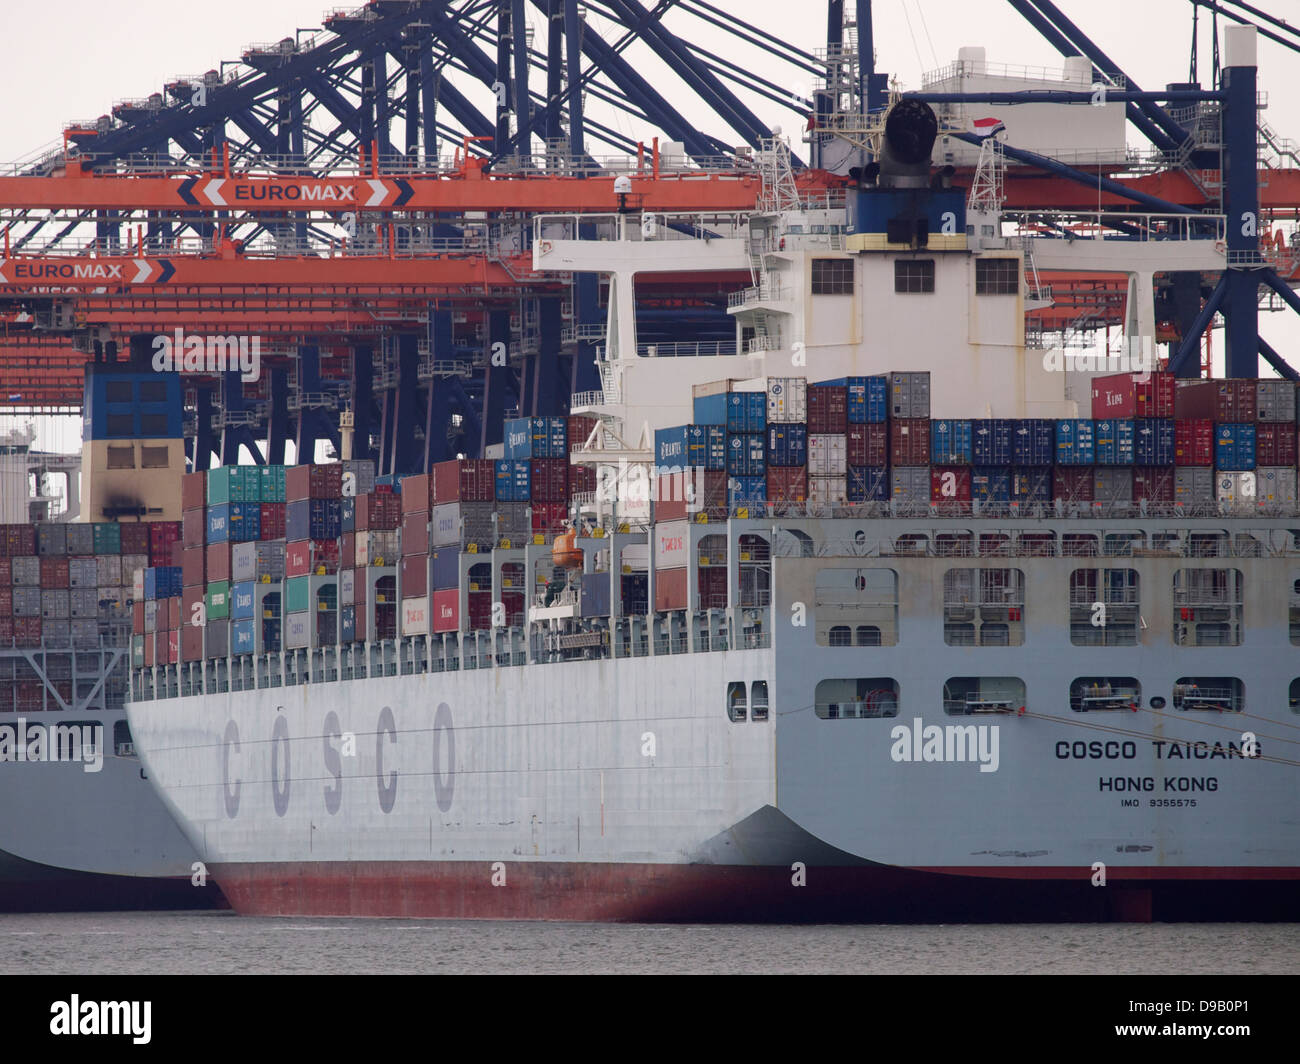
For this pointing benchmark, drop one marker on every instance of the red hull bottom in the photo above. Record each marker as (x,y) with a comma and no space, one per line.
(661,893)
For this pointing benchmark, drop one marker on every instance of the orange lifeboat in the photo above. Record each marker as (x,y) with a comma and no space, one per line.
(565,551)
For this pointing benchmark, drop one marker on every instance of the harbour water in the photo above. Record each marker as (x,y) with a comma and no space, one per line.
(223,943)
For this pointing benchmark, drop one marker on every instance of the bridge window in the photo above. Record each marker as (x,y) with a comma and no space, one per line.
(857,699)
(984,607)
(736,709)
(758,699)
(857,607)
(832,277)
(954,545)
(1091,693)
(1079,545)
(913,276)
(997,277)
(1036,545)
(967,695)
(1207,608)
(1218,694)
(1104,607)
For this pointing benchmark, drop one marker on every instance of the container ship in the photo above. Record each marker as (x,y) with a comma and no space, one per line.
(876,613)
(84,829)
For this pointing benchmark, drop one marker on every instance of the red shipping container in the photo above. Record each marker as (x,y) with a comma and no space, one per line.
(415,533)
(174,612)
(6,640)
(272,521)
(670,496)
(580,426)
(950,484)
(1275,443)
(549,516)
(6,571)
(173,646)
(1194,443)
(379,512)
(1073,483)
(1217,400)
(173,555)
(465,480)
(149,656)
(190,597)
(191,644)
(27,631)
(348,550)
(305,556)
(909,441)
(787,484)
(670,589)
(1196,400)
(446,610)
(313,482)
(1125,396)
(1153,484)
(137,618)
(712,580)
(21,540)
(828,408)
(1238,399)
(194,567)
(359,590)
(582,479)
(135,538)
(513,601)
(6,600)
(550,479)
(218,559)
(415,576)
(163,534)
(868,445)
(416,493)
(194,490)
(480,611)
(194,528)
(54,571)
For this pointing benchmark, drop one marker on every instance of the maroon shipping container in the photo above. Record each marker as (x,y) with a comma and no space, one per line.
(513,601)
(1194,443)
(173,555)
(6,600)
(19,541)
(465,480)
(164,533)
(1196,400)
(868,445)
(137,618)
(787,485)
(194,490)
(348,550)
(1238,399)
(416,494)
(1217,400)
(1153,483)
(191,644)
(950,483)
(670,491)
(174,612)
(549,516)
(379,512)
(828,408)
(218,558)
(6,639)
(149,650)
(6,571)
(135,538)
(313,482)
(54,571)
(415,533)
(1275,443)
(272,520)
(712,581)
(1125,396)
(191,597)
(415,576)
(909,441)
(480,610)
(27,631)
(1072,483)
(579,428)
(670,589)
(194,528)
(582,479)
(550,479)
(194,567)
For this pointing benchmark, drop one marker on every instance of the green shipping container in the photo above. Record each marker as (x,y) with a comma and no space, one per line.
(297,594)
(234,484)
(218,600)
(272,483)
(107,538)
(137,652)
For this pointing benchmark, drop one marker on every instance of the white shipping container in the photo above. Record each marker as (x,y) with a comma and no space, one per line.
(112,596)
(787,400)
(298,630)
(133,567)
(1235,492)
(828,491)
(108,570)
(150,616)
(347,587)
(82,572)
(1275,487)
(27,570)
(827,455)
(672,544)
(374,545)
(415,616)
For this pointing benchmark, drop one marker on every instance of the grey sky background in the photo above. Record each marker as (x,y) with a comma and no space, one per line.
(70,60)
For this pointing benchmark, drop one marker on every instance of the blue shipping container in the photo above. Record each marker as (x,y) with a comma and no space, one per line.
(746,455)
(219,523)
(1075,441)
(162,583)
(787,445)
(271,635)
(347,624)
(990,484)
(1154,441)
(445,569)
(746,491)
(868,399)
(1234,446)
(313,519)
(710,409)
(950,442)
(241,636)
(1113,441)
(707,447)
(348,515)
(241,600)
(746,412)
(536,437)
(1032,484)
(991,441)
(514,480)
(672,447)
(1034,442)
(868,484)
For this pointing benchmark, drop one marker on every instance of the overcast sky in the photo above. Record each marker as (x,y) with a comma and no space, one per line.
(72,59)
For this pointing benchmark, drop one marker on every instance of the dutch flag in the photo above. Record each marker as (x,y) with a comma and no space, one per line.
(988,127)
